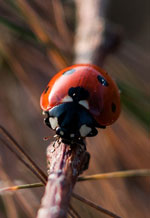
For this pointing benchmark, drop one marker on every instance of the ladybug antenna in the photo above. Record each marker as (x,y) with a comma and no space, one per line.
(49,137)
(46,138)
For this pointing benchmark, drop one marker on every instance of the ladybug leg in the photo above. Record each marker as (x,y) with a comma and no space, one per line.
(46,120)
(100,126)
(86,162)
(60,131)
(93,132)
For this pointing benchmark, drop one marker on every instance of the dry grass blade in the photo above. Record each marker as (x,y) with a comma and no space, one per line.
(74,211)
(21,75)
(95,206)
(60,22)
(23,161)
(27,208)
(9,203)
(71,214)
(34,185)
(37,170)
(32,18)
(7,200)
(119,174)
(16,28)
(25,186)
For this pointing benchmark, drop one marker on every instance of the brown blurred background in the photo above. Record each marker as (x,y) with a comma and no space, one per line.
(39,38)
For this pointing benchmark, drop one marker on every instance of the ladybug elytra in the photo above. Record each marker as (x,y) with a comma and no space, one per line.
(79,99)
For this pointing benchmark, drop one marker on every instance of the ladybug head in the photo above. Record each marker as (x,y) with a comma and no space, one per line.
(72,120)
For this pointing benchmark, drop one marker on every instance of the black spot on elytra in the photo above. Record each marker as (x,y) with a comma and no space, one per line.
(102,80)
(78,93)
(46,89)
(68,72)
(113,107)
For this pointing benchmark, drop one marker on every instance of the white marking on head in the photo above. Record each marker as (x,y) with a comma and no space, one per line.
(61,132)
(84,130)
(84,103)
(43,112)
(72,135)
(67,99)
(54,122)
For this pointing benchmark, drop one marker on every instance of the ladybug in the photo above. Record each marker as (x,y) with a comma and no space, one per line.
(78,100)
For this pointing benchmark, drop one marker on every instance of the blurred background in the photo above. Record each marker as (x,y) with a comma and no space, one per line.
(37,39)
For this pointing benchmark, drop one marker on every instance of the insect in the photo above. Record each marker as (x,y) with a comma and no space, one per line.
(79,99)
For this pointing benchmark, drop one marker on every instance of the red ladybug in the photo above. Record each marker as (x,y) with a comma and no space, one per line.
(80,99)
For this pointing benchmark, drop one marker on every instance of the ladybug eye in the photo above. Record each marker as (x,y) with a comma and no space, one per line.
(102,80)
(46,89)
(68,72)
(113,107)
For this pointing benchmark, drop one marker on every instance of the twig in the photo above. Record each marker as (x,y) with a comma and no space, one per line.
(95,39)
(65,163)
